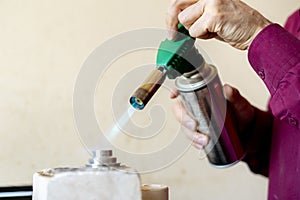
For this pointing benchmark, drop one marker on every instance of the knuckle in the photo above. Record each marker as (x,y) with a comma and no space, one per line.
(235,92)
(182,18)
(193,33)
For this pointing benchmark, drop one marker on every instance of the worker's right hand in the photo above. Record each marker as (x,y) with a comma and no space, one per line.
(231,21)
(244,113)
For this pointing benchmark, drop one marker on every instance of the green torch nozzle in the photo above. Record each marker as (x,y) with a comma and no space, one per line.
(178,56)
(174,58)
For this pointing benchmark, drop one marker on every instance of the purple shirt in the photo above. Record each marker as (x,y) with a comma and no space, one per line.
(275,56)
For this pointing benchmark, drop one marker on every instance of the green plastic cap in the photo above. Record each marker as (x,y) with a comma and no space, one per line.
(178,56)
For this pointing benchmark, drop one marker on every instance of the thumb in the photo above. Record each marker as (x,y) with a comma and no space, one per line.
(231,93)
(242,109)
(234,97)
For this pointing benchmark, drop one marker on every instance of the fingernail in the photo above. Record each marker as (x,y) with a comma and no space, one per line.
(202,140)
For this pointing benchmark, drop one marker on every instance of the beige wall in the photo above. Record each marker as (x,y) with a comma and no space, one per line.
(42,47)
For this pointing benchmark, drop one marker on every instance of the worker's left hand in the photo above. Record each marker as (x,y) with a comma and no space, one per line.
(244,113)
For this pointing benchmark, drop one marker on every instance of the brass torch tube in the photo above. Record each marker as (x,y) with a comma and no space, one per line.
(148,88)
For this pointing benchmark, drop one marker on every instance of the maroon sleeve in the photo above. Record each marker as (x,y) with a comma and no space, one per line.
(275,56)
(257,142)
(292,24)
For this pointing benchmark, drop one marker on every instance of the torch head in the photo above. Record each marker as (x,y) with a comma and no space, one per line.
(136,102)
(174,58)
(148,88)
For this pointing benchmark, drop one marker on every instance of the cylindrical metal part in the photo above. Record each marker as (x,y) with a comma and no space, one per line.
(102,158)
(155,192)
(202,93)
(101,153)
(144,93)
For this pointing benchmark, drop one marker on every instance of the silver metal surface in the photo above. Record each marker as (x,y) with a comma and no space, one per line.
(102,153)
(102,158)
(202,93)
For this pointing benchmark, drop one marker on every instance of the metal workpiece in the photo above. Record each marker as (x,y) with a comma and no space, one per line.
(148,88)
(102,153)
(86,183)
(103,158)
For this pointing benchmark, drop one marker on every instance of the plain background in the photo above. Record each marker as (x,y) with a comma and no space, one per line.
(42,47)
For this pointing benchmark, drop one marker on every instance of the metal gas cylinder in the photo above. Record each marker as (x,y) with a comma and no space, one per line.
(202,93)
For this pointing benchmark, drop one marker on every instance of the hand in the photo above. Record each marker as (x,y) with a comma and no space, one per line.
(243,110)
(231,21)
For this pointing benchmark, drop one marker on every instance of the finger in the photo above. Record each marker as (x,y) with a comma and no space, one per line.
(200,139)
(197,146)
(208,35)
(197,138)
(201,144)
(235,98)
(200,28)
(182,3)
(189,15)
(174,9)
(174,93)
(243,110)
(230,92)
(183,117)
(171,23)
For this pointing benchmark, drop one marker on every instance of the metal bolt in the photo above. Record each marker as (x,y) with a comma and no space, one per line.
(102,158)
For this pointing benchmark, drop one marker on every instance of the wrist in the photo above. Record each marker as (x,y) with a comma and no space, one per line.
(262,24)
